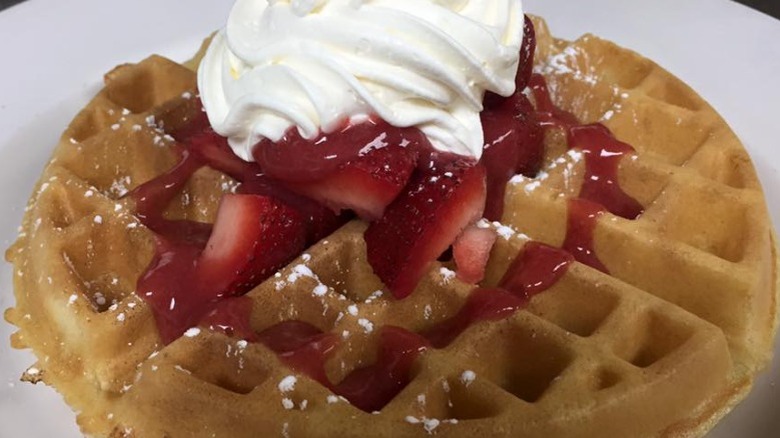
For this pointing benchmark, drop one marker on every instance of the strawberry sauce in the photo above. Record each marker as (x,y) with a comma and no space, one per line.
(581,225)
(481,305)
(184,293)
(602,151)
(302,347)
(537,268)
(600,191)
(305,348)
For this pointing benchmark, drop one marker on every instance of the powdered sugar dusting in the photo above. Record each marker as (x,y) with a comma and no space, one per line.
(447,275)
(287,384)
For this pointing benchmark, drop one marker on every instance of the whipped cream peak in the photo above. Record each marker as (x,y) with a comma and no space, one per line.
(311,64)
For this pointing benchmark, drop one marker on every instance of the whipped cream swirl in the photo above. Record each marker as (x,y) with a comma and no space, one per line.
(314,64)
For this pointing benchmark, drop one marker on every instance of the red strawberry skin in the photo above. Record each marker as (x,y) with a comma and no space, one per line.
(214,150)
(471,253)
(296,159)
(253,237)
(527,52)
(320,221)
(439,202)
(365,185)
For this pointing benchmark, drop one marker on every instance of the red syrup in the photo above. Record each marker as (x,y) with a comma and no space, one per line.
(305,348)
(177,295)
(537,268)
(481,305)
(372,387)
(514,141)
(601,189)
(231,317)
(302,347)
(602,151)
(581,224)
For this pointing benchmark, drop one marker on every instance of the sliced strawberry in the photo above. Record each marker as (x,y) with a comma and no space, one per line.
(527,52)
(296,159)
(253,237)
(437,205)
(530,138)
(472,251)
(365,185)
(320,221)
(214,150)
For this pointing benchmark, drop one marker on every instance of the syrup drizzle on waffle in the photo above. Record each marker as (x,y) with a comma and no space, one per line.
(600,189)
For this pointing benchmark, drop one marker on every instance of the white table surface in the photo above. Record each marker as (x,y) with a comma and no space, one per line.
(54,53)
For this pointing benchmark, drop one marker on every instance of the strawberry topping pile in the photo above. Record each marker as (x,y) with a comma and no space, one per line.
(422,205)
(418,202)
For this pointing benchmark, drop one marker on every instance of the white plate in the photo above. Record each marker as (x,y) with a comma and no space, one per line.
(54,54)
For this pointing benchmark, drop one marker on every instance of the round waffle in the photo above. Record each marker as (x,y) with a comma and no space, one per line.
(665,345)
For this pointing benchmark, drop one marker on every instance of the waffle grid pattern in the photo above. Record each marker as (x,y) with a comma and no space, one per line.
(589,354)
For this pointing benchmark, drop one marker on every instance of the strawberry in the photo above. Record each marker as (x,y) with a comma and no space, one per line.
(365,185)
(439,202)
(472,251)
(253,237)
(320,221)
(214,150)
(296,159)
(526,55)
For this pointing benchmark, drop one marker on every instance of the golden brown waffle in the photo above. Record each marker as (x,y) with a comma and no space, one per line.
(665,346)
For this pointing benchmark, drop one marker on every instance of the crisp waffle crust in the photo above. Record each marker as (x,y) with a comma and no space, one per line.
(663,347)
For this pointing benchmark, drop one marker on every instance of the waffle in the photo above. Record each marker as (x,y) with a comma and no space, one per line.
(664,346)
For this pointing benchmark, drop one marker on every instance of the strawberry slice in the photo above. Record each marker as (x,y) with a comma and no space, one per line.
(296,159)
(320,221)
(526,55)
(253,237)
(365,185)
(439,202)
(472,251)
(214,150)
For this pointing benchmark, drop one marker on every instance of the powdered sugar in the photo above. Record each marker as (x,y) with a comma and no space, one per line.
(287,384)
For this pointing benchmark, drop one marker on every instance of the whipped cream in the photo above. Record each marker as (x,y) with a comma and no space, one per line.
(313,64)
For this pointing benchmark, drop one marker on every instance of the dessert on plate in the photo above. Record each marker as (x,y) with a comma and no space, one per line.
(396,218)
